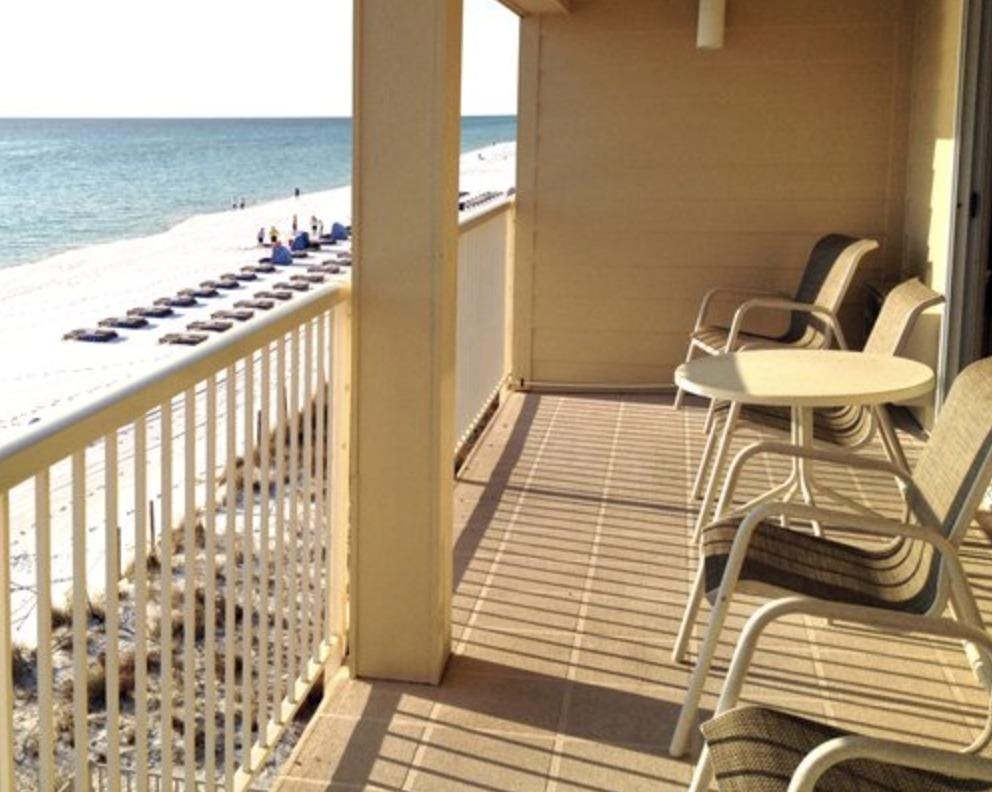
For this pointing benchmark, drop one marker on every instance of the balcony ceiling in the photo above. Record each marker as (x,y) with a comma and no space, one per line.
(532,7)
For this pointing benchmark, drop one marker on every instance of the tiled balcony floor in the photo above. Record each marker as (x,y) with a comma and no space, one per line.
(572,564)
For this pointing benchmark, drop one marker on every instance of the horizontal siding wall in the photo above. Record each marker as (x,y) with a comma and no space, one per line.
(651,171)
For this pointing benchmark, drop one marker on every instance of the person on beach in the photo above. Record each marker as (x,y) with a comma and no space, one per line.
(313,227)
(273,235)
(295,225)
(320,229)
(261,236)
(297,192)
(242,203)
(281,254)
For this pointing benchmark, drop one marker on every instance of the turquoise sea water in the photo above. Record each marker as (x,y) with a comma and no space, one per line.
(65,183)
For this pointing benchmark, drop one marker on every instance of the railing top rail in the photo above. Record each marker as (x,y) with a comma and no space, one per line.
(38,447)
(485,213)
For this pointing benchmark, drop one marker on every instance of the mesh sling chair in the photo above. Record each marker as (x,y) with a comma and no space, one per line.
(813,310)
(910,573)
(847,427)
(760,749)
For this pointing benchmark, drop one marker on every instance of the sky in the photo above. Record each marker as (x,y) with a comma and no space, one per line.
(209,58)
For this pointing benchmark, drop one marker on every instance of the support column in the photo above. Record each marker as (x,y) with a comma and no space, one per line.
(407,134)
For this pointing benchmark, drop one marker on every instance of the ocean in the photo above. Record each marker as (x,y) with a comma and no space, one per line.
(66,183)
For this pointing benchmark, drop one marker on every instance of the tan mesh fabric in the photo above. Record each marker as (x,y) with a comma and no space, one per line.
(755,749)
(713,338)
(899,313)
(900,576)
(843,426)
(949,466)
(825,281)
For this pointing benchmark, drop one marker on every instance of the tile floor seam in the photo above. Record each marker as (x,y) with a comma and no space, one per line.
(959,697)
(418,756)
(556,751)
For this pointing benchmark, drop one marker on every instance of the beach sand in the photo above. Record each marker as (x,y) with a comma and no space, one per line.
(42,376)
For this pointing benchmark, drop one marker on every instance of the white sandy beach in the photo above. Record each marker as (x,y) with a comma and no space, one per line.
(42,376)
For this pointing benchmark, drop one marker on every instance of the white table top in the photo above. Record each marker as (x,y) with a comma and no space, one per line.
(806,378)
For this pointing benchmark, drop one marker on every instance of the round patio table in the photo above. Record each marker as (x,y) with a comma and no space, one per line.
(802,380)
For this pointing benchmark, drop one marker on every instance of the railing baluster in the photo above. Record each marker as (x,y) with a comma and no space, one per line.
(165,586)
(280,604)
(294,516)
(43,579)
(337,558)
(230,587)
(333,395)
(305,538)
(6,656)
(140,606)
(112,609)
(189,590)
(320,524)
(80,655)
(263,544)
(210,590)
(248,542)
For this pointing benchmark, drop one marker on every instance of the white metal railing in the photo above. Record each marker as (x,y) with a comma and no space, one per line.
(191,664)
(481,360)
(224,477)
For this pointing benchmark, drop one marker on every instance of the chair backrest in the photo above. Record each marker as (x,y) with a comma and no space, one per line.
(829,270)
(954,469)
(902,307)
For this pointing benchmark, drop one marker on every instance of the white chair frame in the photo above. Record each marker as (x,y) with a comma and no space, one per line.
(960,764)
(952,584)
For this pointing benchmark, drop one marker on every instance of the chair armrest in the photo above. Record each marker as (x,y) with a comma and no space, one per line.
(842,458)
(855,746)
(708,298)
(833,325)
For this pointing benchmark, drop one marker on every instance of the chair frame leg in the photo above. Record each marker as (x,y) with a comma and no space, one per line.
(705,462)
(890,440)
(703,774)
(679,392)
(707,649)
(710,421)
(716,472)
(696,595)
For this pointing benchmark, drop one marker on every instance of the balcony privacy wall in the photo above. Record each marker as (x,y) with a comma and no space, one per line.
(651,171)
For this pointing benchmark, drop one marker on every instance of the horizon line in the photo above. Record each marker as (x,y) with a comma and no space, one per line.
(212,118)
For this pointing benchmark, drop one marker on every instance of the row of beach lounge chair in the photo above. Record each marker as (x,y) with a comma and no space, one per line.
(221,320)
(909,580)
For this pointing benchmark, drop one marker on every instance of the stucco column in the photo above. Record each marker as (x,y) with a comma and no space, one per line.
(407,130)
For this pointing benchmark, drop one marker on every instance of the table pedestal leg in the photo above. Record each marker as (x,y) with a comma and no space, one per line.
(802,422)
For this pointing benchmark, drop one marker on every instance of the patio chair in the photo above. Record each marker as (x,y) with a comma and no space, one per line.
(847,427)
(813,322)
(910,573)
(760,749)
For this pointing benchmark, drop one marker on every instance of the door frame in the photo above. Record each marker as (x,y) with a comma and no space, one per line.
(972,213)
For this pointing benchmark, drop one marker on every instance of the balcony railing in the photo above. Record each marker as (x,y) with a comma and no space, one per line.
(482,364)
(192,663)
(190,534)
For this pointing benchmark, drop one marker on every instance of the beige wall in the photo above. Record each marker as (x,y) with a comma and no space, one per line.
(651,171)
(930,159)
